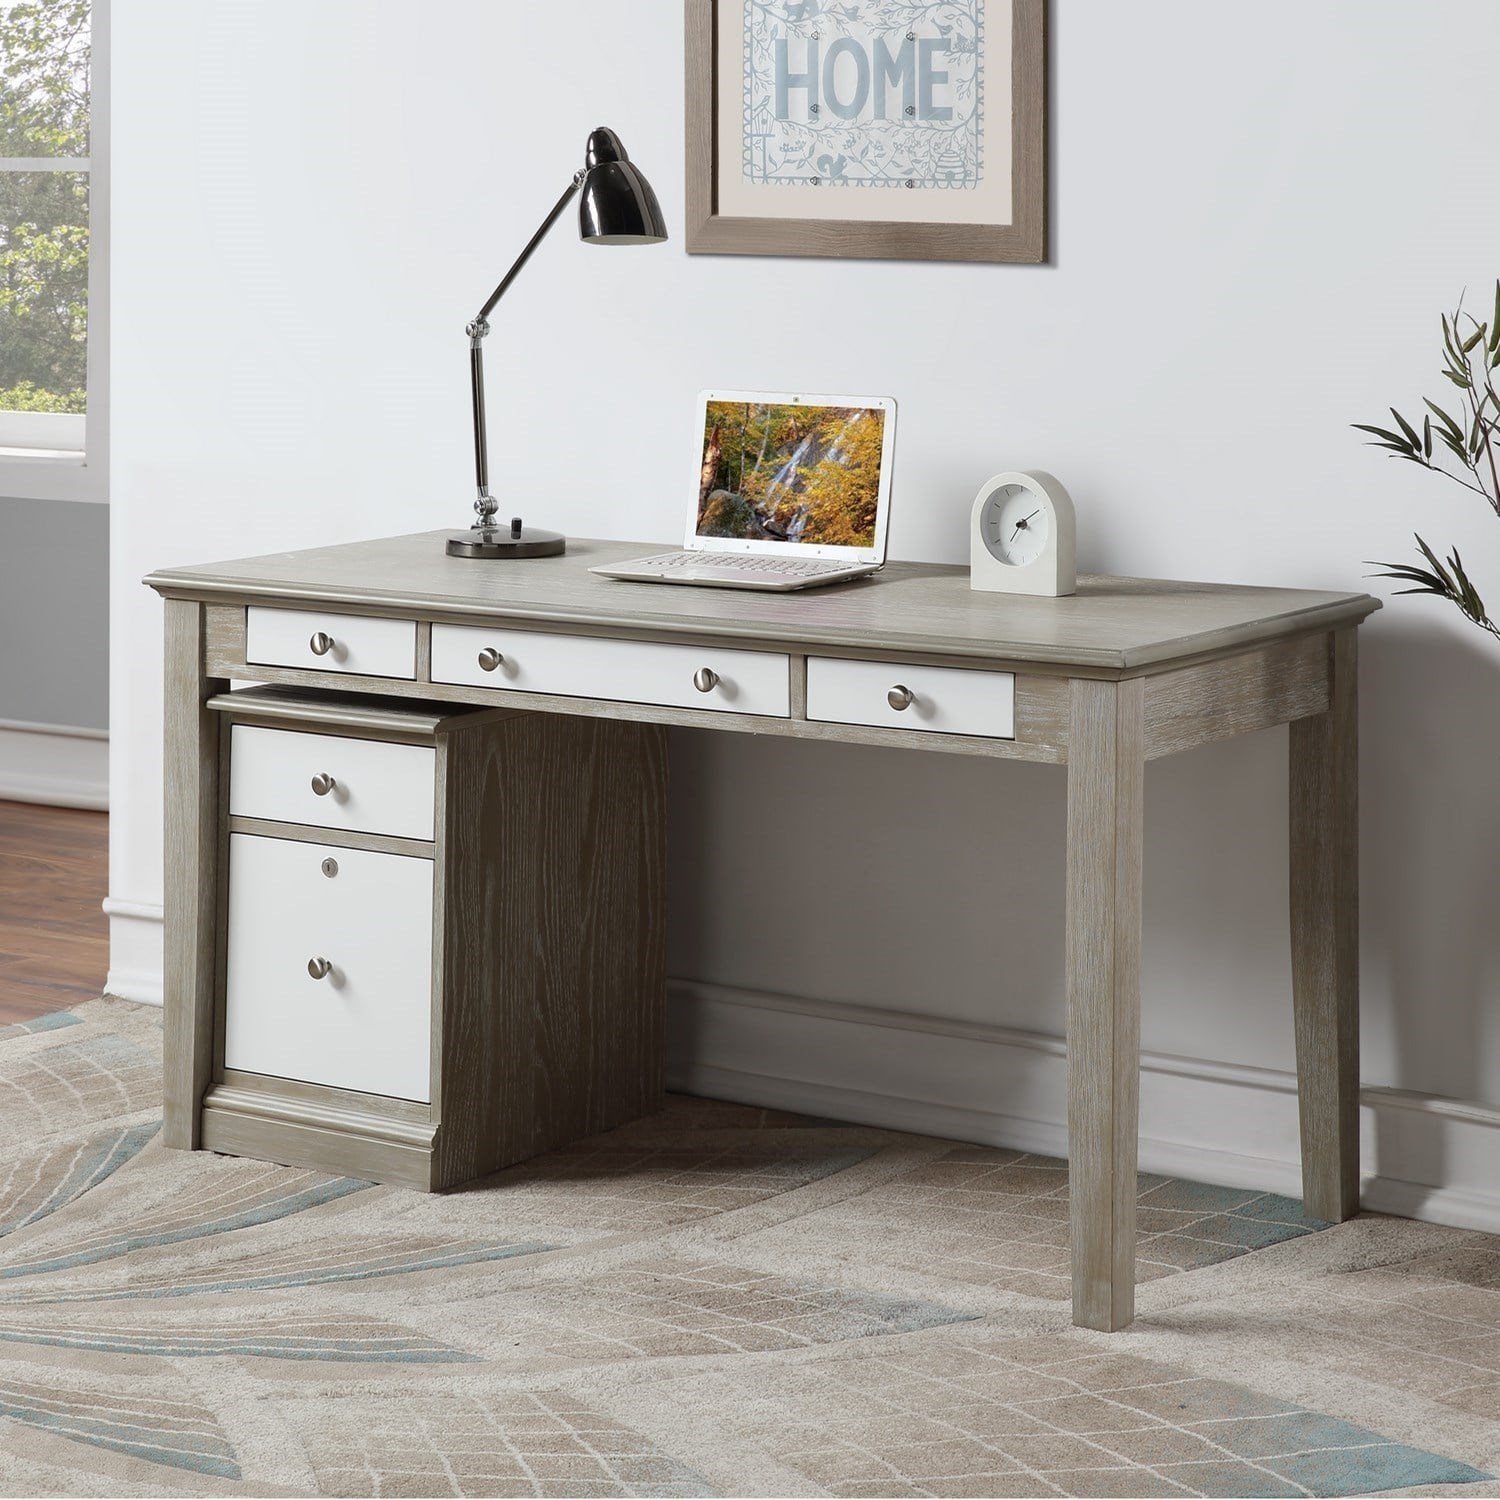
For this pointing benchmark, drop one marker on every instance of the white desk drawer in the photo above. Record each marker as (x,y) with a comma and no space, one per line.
(376,787)
(360,644)
(736,682)
(941,700)
(366,1024)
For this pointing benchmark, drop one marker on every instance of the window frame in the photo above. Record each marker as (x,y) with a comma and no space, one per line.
(68,469)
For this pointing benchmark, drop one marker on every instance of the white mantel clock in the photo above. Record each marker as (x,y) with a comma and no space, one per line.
(1023,536)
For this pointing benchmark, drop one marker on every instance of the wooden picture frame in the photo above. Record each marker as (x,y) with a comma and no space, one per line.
(710,231)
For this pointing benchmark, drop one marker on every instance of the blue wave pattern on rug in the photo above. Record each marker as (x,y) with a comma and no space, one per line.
(263,1213)
(383,1344)
(181,1434)
(96,1159)
(367,1268)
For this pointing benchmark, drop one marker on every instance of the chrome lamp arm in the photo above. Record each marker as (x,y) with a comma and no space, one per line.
(485,504)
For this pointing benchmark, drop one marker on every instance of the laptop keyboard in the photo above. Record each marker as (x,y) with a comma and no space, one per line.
(796,567)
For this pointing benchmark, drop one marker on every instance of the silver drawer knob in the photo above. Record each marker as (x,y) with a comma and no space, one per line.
(322,784)
(319,968)
(900,698)
(705,679)
(489,659)
(321,644)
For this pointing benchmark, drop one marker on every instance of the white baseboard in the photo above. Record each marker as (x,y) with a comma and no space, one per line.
(1423,1157)
(135,950)
(1427,1158)
(54,764)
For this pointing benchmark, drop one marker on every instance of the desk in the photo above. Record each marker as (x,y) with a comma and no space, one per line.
(1123,672)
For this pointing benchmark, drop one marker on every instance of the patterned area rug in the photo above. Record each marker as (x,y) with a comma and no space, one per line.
(716,1301)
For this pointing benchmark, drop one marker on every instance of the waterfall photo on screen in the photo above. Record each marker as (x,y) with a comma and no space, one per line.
(781,473)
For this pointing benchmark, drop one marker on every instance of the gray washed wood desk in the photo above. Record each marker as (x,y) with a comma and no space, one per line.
(1123,672)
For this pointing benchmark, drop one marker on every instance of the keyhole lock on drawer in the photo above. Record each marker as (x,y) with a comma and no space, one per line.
(705,679)
(900,698)
(319,968)
(321,643)
(489,659)
(322,784)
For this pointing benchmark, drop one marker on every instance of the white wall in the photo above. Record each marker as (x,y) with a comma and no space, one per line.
(1258,214)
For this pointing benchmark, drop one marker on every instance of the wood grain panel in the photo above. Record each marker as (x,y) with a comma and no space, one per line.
(325,1097)
(243,1121)
(553,862)
(54,937)
(1106,785)
(224,637)
(1216,700)
(192,800)
(1110,625)
(1324,774)
(413,720)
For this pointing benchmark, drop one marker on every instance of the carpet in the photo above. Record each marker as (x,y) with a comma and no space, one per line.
(718,1300)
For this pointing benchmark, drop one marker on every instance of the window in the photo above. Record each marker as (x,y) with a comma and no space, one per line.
(48,177)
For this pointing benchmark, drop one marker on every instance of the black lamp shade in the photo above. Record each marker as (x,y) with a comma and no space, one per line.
(616,205)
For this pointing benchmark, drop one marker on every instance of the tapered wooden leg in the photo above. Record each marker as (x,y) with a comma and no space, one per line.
(1325,940)
(1106,783)
(191,788)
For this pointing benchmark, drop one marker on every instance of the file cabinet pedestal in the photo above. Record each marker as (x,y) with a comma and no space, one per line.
(440,933)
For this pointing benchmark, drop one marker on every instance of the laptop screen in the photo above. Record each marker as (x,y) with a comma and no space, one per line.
(791,473)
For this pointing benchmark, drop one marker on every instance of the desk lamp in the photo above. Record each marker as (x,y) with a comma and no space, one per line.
(617,208)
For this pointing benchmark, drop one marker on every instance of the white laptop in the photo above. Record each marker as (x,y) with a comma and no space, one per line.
(789,492)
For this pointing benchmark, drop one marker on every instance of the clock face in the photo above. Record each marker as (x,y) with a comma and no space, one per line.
(1016,525)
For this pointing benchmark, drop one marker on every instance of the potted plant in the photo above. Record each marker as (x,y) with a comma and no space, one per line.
(1461,446)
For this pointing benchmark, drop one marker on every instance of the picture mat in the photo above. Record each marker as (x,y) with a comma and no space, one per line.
(991,202)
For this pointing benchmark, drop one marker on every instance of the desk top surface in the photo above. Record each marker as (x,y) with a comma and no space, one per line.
(1109,624)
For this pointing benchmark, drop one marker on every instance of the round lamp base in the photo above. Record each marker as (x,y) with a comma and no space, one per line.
(513,541)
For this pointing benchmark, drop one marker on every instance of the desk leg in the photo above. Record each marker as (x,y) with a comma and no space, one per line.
(191,785)
(1106,781)
(1325,940)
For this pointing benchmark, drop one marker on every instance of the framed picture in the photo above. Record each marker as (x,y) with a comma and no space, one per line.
(903,129)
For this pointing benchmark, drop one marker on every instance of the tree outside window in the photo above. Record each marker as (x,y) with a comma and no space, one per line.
(44,205)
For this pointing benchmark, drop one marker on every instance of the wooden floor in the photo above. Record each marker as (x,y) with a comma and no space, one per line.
(54,945)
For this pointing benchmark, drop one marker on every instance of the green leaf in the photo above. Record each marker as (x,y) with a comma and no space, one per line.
(1473,338)
(1427,437)
(1423,583)
(1437,567)
(1449,424)
(1407,430)
(1455,446)
(1468,598)
(1386,436)
(1449,581)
